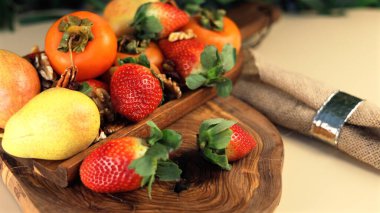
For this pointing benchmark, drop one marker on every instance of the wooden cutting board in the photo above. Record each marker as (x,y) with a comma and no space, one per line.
(253,185)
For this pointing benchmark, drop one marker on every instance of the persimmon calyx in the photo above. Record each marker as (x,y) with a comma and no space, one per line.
(212,19)
(77,29)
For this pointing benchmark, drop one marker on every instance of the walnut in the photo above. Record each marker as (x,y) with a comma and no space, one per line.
(68,77)
(103,101)
(41,63)
(101,136)
(112,128)
(171,85)
(182,35)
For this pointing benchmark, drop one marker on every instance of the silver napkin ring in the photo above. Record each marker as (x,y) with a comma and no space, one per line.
(331,117)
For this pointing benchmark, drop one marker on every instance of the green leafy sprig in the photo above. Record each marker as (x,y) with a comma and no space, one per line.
(156,162)
(214,66)
(214,136)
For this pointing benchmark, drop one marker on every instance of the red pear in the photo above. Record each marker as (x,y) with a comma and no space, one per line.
(19,83)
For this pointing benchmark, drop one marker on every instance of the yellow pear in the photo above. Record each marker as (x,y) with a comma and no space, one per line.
(54,125)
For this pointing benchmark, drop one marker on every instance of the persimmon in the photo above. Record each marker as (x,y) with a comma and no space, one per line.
(152,52)
(90,40)
(230,34)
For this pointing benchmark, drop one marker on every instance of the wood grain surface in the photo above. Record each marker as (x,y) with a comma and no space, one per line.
(253,185)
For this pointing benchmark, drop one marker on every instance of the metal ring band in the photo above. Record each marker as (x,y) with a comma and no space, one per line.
(331,117)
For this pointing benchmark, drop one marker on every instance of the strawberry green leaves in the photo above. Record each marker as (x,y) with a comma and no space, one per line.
(132,46)
(85,88)
(141,60)
(156,160)
(214,137)
(194,81)
(146,26)
(214,66)
(228,57)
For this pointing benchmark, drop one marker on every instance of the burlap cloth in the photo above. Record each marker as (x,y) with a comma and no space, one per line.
(292,101)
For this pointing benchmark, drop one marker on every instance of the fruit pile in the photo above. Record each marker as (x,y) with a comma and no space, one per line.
(96,72)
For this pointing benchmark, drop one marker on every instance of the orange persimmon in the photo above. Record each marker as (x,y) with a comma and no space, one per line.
(98,53)
(229,35)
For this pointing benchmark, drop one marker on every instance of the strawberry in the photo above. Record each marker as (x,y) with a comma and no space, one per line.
(222,141)
(186,55)
(157,20)
(126,164)
(200,65)
(106,168)
(135,91)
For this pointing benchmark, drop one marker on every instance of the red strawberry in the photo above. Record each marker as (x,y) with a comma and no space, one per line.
(185,54)
(106,169)
(222,141)
(200,65)
(241,144)
(94,84)
(126,164)
(135,92)
(157,20)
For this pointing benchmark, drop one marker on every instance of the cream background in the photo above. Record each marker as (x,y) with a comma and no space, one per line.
(341,51)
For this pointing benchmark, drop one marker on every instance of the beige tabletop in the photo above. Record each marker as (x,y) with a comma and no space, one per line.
(340,51)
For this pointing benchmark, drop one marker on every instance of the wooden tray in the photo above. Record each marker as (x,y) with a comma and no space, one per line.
(64,172)
(253,185)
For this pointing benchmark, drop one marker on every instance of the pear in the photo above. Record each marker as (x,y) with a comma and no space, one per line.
(54,125)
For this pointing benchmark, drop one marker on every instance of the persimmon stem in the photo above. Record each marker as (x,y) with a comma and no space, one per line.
(70,73)
(71,51)
(172,2)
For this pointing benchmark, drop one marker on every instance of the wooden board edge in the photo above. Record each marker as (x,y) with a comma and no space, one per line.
(15,188)
(264,14)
